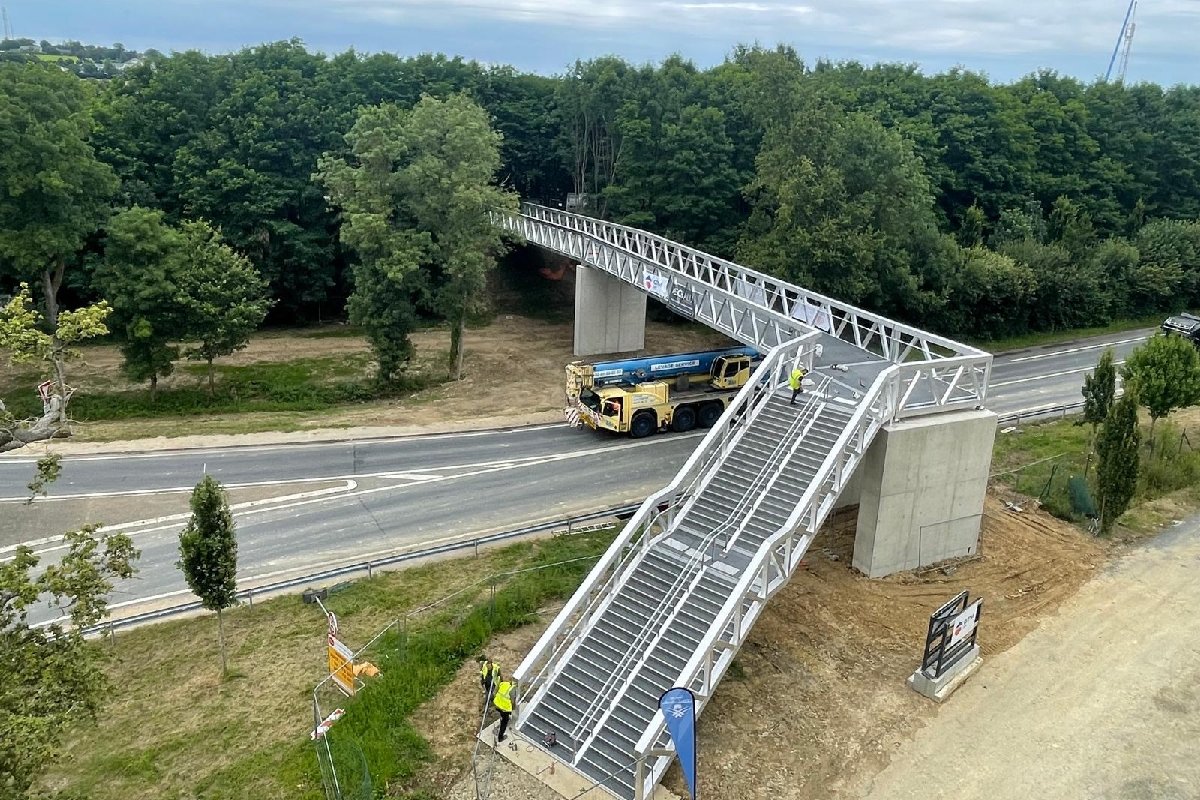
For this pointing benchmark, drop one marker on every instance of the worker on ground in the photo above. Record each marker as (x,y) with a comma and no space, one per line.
(489,673)
(796,382)
(503,703)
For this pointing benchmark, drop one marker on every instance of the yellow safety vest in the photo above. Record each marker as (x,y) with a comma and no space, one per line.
(502,700)
(795,378)
(489,669)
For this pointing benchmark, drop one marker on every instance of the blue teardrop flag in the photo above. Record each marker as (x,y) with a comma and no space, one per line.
(679,710)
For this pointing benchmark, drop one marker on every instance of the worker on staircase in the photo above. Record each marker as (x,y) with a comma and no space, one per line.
(796,382)
(503,703)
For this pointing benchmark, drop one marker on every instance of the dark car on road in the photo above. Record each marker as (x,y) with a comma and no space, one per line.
(1186,325)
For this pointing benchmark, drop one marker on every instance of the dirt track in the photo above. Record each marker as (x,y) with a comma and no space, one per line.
(1102,701)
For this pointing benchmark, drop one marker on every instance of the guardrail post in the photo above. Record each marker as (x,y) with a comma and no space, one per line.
(370,573)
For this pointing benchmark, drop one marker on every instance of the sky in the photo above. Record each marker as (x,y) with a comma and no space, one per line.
(1005,39)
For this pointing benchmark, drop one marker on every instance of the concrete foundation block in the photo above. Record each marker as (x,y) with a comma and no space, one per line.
(921,489)
(938,689)
(610,315)
(560,778)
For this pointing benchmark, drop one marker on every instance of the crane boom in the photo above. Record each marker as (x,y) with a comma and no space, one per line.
(1124,43)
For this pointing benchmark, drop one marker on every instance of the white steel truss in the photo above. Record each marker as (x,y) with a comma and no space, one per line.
(756,309)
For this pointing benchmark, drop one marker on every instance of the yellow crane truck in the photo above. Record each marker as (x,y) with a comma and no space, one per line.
(640,396)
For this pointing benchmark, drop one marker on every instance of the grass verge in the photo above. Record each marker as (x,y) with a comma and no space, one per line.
(308,384)
(1040,460)
(175,729)
(1039,338)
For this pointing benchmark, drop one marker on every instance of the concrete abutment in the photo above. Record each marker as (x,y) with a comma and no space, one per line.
(610,315)
(920,491)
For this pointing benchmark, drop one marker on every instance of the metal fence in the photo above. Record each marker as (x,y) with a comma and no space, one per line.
(340,769)
(575,524)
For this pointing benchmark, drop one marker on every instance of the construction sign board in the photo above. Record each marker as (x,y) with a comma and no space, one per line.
(341,665)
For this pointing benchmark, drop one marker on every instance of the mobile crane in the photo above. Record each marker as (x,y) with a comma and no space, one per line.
(672,392)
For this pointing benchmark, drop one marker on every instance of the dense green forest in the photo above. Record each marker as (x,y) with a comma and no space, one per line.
(966,206)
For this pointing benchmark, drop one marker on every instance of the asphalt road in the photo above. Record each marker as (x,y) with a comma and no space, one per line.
(313,506)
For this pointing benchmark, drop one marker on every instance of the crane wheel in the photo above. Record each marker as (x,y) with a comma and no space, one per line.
(684,419)
(709,414)
(642,424)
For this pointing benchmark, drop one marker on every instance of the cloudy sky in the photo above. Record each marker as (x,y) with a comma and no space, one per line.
(1004,38)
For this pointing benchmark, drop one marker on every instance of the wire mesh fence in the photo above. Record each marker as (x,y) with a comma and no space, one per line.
(425,646)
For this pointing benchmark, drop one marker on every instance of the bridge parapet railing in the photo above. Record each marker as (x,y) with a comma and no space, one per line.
(717,281)
(777,557)
(652,519)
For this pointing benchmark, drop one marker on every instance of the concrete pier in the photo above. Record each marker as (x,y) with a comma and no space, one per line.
(920,491)
(610,315)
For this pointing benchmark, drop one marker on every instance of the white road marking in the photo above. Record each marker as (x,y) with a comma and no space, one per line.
(287,502)
(1068,351)
(269,448)
(1047,376)
(180,489)
(124,527)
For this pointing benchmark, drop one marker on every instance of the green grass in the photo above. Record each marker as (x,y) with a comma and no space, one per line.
(1039,338)
(418,664)
(302,385)
(1039,460)
(174,729)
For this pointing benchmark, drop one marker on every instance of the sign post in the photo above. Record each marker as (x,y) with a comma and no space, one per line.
(951,651)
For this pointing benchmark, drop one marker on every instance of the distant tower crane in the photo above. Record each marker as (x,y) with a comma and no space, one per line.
(1124,43)
(7,27)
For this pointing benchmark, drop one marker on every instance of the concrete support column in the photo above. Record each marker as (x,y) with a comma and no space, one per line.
(610,315)
(921,491)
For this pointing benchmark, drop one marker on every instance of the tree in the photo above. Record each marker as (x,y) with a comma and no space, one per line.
(1117,457)
(1099,390)
(208,553)
(22,335)
(221,297)
(138,276)
(1166,372)
(52,676)
(54,193)
(841,205)
(416,206)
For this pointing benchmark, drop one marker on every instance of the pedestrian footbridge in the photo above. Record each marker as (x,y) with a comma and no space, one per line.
(674,597)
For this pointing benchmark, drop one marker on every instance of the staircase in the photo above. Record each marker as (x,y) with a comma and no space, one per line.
(604,695)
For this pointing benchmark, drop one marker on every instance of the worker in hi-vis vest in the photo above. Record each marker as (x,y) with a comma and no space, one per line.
(796,382)
(489,671)
(503,703)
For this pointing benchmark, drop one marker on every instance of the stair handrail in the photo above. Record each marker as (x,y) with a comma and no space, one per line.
(634,551)
(887,388)
(619,574)
(690,573)
(884,382)
(780,464)
(798,350)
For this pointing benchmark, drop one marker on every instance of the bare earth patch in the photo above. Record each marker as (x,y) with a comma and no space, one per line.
(818,697)
(513,376)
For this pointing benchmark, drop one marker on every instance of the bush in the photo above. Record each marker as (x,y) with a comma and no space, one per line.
(1169,463)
